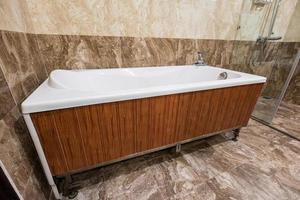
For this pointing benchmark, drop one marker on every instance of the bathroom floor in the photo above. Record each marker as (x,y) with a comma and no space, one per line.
(288,119)
(263,164)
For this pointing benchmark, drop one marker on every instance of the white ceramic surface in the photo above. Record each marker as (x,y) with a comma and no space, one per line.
(72,88)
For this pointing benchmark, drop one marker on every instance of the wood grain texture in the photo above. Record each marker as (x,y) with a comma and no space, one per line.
(77,138)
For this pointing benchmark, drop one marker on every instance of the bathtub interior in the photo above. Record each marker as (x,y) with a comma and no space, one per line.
(134,78)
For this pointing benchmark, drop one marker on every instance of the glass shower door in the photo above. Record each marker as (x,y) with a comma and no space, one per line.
(259,38)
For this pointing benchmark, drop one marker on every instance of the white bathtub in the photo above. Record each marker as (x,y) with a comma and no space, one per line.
(66,89)
(72,88)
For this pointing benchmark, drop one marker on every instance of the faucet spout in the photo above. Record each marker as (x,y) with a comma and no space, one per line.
(200,60)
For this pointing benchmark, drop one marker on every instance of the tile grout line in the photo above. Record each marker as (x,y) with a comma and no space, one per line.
(276,129)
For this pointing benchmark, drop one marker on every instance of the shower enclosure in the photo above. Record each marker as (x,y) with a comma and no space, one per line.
(262,30)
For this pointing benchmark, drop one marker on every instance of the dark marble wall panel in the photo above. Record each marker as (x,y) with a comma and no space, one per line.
(148,51)
(187,51)
(38,66)
(162,50)
(135,52)
(79,52)
(216,52)
(6,99)
(20,63)
(19,156)
(293,91)
(21,71)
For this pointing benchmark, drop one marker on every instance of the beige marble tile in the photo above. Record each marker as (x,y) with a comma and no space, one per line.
(15,16)
(142,18)
(292,33)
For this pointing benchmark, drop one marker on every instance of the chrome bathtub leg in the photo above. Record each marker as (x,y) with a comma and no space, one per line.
(178,148)
(236,133)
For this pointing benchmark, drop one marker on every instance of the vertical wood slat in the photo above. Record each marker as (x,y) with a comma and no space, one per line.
(56,159)
(65,121)
(77,138)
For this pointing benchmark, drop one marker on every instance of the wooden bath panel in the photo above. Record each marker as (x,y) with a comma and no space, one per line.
(76,138)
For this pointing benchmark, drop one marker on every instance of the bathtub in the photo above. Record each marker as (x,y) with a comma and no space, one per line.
(81,119)
(71,88)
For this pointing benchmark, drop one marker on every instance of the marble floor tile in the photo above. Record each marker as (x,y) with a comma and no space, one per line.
(263,164)
(288,119)
(254,123)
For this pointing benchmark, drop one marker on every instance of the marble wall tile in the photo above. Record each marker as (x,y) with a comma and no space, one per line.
(77,52)
(148,51)
(37,62)
(15,16)
(293,91)
(143,18)
(6,100)
(187,51)
(162,50)
(18,153)
(216,52)
(135,52)
(105,51)
(166,19)
(292,33)
(17,61)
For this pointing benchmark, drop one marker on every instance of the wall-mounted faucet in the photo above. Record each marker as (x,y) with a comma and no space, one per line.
(200,60)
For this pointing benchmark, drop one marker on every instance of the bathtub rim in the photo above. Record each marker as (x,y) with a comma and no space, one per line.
(36,102)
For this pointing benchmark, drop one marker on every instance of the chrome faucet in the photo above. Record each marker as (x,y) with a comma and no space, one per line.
(200,60)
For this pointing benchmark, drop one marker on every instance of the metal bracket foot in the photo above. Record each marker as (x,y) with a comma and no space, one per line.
(73,194)
(178,148)
(236,133)
(69,188)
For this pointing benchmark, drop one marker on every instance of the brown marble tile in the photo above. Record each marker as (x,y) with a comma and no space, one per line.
(288,119)
(187,52)
(162,50)
(12,158)
(254,123)
(38,65)
(18,154)
(6,100)
(17,63)
(33,190)
(106,51)
(241,55)
(79,52)
(208,49)
(293,91)
(216,52)
(249,182)
(54,50)
(135,52)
